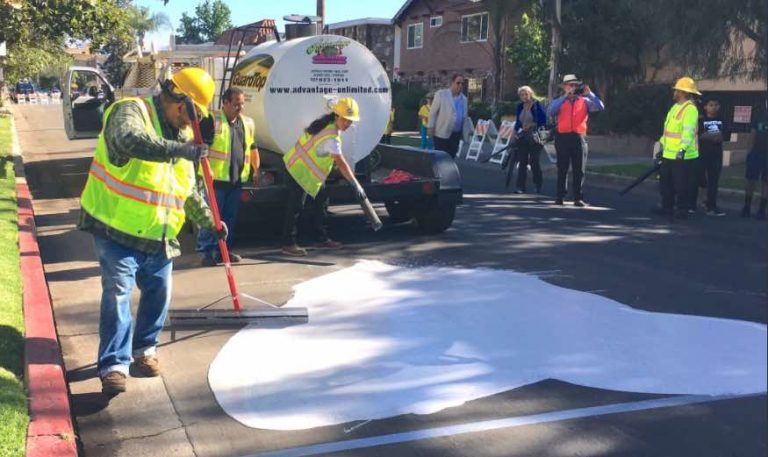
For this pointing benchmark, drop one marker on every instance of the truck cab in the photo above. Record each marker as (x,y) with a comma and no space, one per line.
(86,94)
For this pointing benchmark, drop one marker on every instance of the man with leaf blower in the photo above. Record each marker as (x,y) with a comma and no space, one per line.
(140,189)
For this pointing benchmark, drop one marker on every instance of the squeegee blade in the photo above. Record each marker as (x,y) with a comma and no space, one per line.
(227,318)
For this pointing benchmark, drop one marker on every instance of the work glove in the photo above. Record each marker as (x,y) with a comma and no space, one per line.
(658,155)
(191,151)
(223,232)
(680,154)
(360,191)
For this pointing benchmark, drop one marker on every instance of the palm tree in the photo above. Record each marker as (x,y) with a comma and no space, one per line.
(142,22)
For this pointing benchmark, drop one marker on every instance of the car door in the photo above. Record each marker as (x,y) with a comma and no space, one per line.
(86,94)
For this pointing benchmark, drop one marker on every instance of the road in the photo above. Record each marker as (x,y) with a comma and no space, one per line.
(712,267)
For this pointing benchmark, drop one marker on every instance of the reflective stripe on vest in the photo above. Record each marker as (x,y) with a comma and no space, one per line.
(673,139)
(141,198)
(219,154)
(308,169)
(573,116)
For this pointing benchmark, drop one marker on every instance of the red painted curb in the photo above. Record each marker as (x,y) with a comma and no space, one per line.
(50,431)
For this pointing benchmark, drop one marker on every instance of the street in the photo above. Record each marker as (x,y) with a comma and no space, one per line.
(710,267)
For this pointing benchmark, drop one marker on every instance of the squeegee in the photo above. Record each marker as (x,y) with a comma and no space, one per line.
(263,312)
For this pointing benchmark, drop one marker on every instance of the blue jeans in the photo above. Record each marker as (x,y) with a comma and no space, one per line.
(426,142)
(121,269)
(228,199)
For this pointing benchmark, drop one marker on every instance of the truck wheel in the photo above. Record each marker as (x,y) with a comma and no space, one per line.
(437,216)
(399,211)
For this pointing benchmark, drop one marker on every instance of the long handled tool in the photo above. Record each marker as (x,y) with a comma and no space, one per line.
(656,167)
(225,318)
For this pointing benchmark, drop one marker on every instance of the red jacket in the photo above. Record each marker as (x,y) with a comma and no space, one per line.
(573,116)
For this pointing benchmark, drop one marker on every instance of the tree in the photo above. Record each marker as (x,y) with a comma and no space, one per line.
(28,59)
(530,50)
(142,22)
(211,19)
(498,14)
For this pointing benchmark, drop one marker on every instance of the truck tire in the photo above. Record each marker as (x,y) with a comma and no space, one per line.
(399,210)
(437,216)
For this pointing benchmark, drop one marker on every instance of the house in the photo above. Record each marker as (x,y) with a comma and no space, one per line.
(254,36)
(376,34)
(439,38)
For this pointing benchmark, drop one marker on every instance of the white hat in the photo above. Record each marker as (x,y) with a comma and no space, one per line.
(570,79)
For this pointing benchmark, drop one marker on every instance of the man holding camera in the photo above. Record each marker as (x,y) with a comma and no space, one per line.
(572,113)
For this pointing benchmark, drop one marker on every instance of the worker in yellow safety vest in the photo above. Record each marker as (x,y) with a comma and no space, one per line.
(309,162)
(140,189)
(234,160)
(679,150)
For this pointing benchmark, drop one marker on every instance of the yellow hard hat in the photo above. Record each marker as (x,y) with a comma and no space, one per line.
(348,109)
(686,84)
(196,84)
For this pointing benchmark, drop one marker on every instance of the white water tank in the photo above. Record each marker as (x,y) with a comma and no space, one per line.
(290,83)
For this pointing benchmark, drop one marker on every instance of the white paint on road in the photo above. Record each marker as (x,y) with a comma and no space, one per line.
(496,424)
(388,340)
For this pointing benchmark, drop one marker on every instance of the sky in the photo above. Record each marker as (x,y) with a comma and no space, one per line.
(247,11)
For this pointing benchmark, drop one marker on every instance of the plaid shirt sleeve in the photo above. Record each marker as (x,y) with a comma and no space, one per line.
(197,211)
(127,137)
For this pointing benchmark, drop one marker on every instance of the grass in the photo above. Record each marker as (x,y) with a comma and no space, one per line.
(13,405)
(731,178)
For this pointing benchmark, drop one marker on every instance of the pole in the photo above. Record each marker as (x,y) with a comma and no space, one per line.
(321,15)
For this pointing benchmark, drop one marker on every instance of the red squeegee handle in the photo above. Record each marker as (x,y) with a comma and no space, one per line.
(208,175)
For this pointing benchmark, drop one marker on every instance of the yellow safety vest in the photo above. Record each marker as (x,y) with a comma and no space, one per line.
(307,168)
(141,198)
(680,131)
(220,152)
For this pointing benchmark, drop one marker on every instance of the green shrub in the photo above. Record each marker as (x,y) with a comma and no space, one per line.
(479,110)
(639,111)
(406,101)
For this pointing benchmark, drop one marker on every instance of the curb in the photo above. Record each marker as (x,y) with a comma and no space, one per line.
(50,431)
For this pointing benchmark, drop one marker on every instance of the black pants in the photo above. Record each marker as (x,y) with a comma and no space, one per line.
(294,204)
(676,176)
(571,152)
(709,167)
(449,145)
(529,153)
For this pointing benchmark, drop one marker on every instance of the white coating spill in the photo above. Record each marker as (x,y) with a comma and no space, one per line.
(387,340)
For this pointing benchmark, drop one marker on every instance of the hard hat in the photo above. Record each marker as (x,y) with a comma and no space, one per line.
(196,84)
(347,108)
(686,84)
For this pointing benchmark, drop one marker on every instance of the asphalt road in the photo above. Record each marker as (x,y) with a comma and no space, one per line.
(706,266)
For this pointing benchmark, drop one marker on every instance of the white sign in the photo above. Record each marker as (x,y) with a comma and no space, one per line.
(3,51)
(742,114)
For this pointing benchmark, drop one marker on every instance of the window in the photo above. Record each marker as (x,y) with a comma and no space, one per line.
(474,27)
(415,35)
(474,89)
(435,21)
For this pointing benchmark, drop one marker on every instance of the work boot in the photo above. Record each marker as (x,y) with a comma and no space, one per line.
(328,244)
(580,204)
(233,258)
(519,191)
(559,201)
(113,383)
(294,250)
(147,366)
(208,260)
(715,212)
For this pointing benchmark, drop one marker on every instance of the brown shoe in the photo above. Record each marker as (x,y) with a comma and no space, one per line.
(294,251)
(147,367)
(113,383)
(328,244)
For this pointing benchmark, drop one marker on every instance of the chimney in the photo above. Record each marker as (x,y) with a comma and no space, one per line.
(321,15)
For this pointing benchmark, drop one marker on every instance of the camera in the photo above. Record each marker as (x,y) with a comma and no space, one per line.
(579,89)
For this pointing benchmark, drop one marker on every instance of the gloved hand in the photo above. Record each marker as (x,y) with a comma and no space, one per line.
(360,191)
(680,154)
(223,233)
(191,151)
(658,155)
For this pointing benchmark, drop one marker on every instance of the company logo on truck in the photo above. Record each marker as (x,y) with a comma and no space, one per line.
(329,52)
(253,71)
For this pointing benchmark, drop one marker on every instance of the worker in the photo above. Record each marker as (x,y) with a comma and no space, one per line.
(140,189)
(572,113)
(757,165)
(233,156)
(679,150)
(309,162)
(426,106)
(387,138)
(713,131)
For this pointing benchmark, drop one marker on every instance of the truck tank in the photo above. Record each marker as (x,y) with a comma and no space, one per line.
(288,84)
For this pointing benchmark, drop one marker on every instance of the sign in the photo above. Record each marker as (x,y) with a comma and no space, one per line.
(742,114)
(3,51)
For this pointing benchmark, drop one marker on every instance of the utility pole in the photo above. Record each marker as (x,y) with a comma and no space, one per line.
(557,44)
(321,15)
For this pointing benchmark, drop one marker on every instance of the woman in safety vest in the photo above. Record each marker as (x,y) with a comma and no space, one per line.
(309,162)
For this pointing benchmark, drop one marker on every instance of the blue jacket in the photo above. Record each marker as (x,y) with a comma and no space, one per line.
(538,114)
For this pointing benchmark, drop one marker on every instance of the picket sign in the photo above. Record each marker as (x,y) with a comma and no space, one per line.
(483,128)
(44,100)
(21,99)
(33,99)
(56,99)
(506,134)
